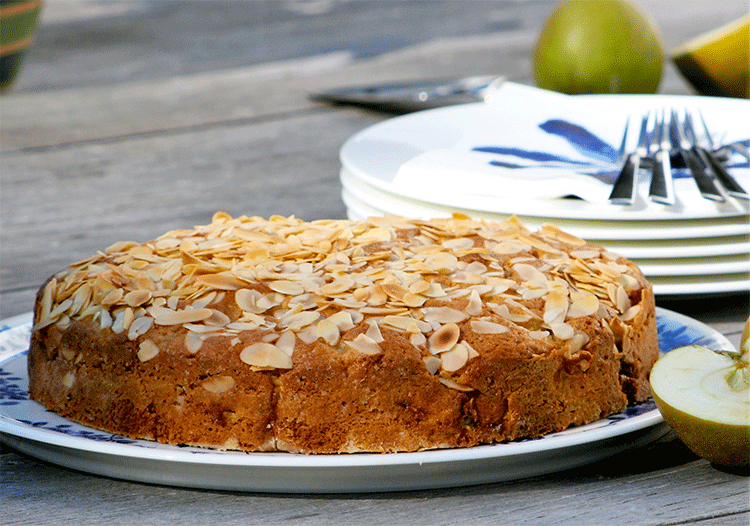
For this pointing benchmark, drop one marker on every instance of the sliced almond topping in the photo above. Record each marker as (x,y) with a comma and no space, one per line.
(474,308)
(343,320)
(577,342)
(562,330)
(147,350)
(223,281)
(290,288)
(286,342)
(631,313)
(217,319)
(459,243)
(443,314)
(265,355)
(373,332)
(329,331)
(432,364)
(139,327)
(69,379)
(456,358)
(585,306)
(178,317)
(298,320)
(193,342)
(444,339)
(365,345)
(453,385)
(113,297)
(487,327)
(539,334)
(218,384)
(417,339)
(555,306)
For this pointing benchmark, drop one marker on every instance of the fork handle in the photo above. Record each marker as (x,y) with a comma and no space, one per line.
(623,192)
(661,189)
(727,181)
(705,184)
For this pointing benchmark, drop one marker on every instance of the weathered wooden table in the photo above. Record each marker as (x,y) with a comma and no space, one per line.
(135,117)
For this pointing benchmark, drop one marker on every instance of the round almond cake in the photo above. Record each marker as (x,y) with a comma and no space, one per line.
(337,336)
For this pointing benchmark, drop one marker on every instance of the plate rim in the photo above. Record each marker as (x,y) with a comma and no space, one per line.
(38,439)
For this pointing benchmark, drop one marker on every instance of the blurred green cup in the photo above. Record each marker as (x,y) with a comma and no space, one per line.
(18,21)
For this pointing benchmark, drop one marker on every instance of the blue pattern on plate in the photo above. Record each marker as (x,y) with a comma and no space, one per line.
(602,160)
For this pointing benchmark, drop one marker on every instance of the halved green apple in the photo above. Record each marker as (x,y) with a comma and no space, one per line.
(705,398)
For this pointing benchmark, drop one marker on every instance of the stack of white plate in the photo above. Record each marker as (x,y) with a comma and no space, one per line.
(527,152)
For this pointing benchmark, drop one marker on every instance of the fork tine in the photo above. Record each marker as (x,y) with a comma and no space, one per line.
(662,185)
(732,187)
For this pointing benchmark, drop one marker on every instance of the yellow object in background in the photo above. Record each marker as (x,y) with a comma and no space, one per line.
(718,63)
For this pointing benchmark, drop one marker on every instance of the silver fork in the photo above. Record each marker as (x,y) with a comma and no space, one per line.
(662,185)
(693,161)
(623,192)
(707,155)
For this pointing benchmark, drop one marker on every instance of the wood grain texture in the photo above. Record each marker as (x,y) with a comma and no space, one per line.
(135,117)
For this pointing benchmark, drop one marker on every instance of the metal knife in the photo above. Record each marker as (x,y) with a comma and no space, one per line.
(409,97)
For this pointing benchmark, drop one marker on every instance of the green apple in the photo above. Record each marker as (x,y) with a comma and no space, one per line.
(598,46)
(705,397)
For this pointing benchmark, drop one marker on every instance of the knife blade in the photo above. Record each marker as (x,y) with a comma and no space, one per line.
(409,97)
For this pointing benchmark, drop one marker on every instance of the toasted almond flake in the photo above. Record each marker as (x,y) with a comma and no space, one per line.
(453,385)
(221,281)
(68,379)
(286,342)
(289,288)
(539,334)
(139,327)
(265,355)
(193,342)
(413,300)
(373,332)
(529,273)
(444,339)
(136,298)
(298,320)
(365,345)
(343,320)
(172,317)
(219,384)
(217,319)
(329,331)
(417,339)
(147,350)
(555,306)
(204,301)
(577,342)
(631,313)
(400,323)
(432,364)
(554,232)
(504,312)
(585,306)
(435,291)
(472,352)
(507,248)
(443,314)
(562,330)
(455,359)
(395,290)
(420,286)
(628,282)
(487,327)
(474,308)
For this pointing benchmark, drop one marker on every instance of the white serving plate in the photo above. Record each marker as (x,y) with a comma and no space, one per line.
(29,428)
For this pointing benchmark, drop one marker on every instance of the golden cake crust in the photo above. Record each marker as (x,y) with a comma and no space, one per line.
(338,336)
